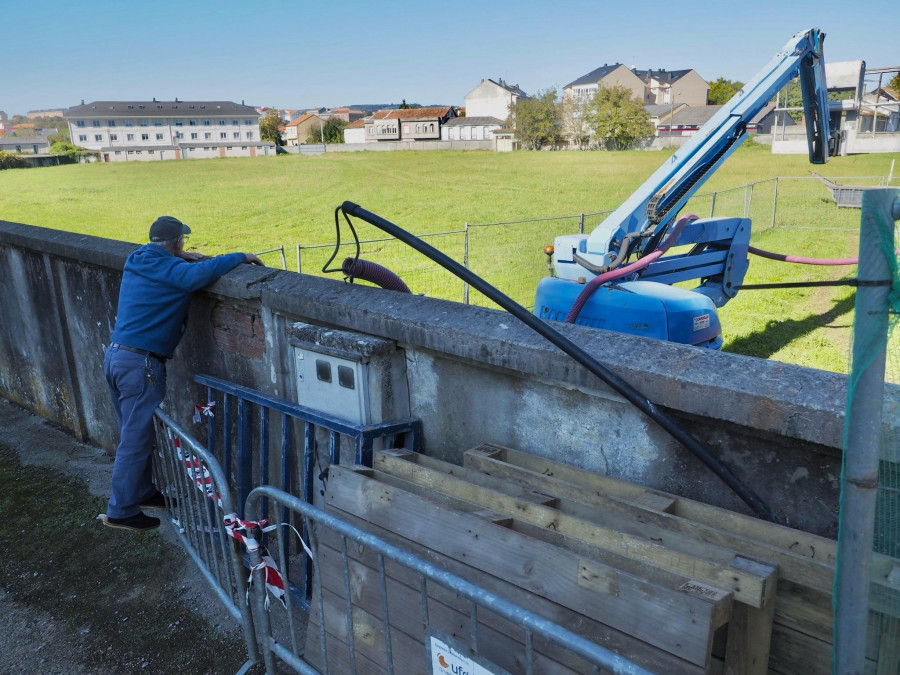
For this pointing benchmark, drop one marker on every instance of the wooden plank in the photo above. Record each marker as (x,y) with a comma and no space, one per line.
(802,543)
(677,622)
(499,641)
(646,655)
(791,565)
(749,639)
(753,584)
(585,549)
(888,638)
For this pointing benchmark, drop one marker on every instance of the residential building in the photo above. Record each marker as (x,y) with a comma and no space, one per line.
(26,145)
(660,113)
(663,87)
(151,130)
(470,128)
(410,124)
(347,114)
(53,112)
(493,99)
(355,132)
(607,76)
(687,120)
(297,130)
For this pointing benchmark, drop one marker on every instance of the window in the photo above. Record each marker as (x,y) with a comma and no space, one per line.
(144,123)
(145,137)
(129,123)
(96,123)
(157,123)
(82,138)
(118,152)
(194,136)
(236,134)
(179,135)
(192,123)
(111,123)
(79,124)
(405,128)
(98,137)
(159,137)
(249,134)
(345,377)
(234,123)
(152,152)
(223,136)
(248,121)
(206,123)
(323,370)
(129,137)
(114,137)
(418,129)
(221,123)
(179,123)
(207,136)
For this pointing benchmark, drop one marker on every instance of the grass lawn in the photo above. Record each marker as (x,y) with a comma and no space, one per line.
(266,202)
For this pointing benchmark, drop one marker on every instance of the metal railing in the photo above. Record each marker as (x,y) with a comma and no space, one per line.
(371,640)
(198,499)
(253,408)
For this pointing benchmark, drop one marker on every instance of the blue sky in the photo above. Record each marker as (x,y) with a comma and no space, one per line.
(332,53)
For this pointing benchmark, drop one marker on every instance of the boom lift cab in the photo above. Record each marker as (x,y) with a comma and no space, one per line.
(639,298)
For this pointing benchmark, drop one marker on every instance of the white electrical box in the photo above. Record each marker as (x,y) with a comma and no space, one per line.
(348,375)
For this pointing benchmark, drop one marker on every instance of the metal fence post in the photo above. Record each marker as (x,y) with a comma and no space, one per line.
(774,201)
(581,225)
(712,205)
(299,267)
(466,262)
(863,431)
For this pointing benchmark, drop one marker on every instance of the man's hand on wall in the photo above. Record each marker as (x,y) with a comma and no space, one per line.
(191,256)
(254,259)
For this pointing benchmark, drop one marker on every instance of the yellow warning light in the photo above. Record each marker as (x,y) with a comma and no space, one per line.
(548,249)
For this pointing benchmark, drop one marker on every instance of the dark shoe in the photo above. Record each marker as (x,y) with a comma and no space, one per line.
(139,522)
(157,501)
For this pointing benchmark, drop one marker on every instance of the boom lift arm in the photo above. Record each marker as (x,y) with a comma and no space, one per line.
(640,224)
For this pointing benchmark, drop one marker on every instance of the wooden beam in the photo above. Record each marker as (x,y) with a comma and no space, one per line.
(678,622)
(751,583)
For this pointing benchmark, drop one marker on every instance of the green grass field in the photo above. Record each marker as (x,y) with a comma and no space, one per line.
(262,203)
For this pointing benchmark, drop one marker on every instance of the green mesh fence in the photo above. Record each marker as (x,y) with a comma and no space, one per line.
(867,574)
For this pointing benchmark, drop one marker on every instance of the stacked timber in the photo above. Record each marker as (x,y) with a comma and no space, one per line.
(675,585)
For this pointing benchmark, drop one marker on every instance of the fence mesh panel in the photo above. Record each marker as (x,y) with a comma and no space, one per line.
(510,256)
(420,274)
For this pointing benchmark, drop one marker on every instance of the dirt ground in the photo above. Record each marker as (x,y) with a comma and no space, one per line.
(78,597)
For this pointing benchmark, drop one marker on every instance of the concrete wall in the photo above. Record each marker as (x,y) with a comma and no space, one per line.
(387,146)
(473,375)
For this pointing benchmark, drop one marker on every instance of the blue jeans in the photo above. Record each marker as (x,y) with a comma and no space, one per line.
(135,397)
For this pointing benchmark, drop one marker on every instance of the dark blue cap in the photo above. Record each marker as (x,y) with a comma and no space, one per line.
(165,228)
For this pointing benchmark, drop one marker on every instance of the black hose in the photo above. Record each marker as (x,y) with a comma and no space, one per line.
(368,271)
(642,403)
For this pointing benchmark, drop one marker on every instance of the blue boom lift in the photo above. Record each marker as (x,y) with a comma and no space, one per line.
(594,282)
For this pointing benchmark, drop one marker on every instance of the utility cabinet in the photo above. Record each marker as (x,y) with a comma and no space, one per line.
(356,377)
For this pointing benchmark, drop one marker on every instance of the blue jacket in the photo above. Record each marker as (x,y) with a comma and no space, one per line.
(156,293)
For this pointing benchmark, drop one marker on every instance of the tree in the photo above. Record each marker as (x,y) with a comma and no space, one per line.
(536,120)
(404,105)
(617,119)
(66,148)
(895,82)
(573,113)
(331,129)
(268,126)
(721,90)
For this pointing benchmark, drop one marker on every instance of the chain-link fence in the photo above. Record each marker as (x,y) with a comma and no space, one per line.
(509,254)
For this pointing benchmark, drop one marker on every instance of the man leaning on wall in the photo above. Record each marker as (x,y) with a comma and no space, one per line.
(158,282)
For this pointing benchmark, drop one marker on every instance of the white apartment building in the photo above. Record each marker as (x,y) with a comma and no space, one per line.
(123,131)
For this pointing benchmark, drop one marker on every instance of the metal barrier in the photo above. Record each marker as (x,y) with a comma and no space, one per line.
(198,499)
(365,651)
(222,427)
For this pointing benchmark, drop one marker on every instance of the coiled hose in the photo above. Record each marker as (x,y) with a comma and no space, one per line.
(357,268)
